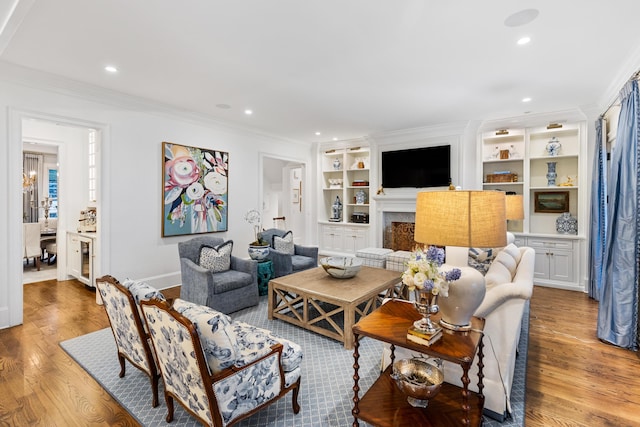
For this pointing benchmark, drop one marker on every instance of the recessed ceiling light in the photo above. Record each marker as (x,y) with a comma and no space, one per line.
(318,134)
(248,112)
(335,139)
(524,40)
(527,99)
(111,69)
(521,18)
(223,106)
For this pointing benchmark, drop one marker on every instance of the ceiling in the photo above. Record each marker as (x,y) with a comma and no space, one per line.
(344,68)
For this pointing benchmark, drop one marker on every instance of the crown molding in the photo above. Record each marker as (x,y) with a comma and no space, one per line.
(61,85)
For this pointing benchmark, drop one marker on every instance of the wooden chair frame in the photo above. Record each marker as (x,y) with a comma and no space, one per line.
(209,380)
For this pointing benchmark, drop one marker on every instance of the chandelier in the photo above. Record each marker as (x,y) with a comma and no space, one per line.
(28,181)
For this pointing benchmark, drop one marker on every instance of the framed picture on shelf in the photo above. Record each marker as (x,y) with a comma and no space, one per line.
(551,201)
(194,190)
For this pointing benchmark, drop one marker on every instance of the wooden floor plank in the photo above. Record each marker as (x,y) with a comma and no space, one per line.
(573,379)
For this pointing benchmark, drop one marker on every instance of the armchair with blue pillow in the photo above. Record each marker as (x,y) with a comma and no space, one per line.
(213,277)
(286,256)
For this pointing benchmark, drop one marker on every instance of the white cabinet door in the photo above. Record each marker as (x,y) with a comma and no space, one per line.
(355,239)
(332,238)
(74,259)
(541,266)
(554,259)
(561,265)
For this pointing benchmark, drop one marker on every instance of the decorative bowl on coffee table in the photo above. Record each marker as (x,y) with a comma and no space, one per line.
(341,267)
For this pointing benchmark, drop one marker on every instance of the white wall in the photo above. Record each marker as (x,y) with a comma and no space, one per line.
(130,179)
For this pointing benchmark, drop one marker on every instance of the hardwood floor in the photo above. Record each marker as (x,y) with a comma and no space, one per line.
(573,379)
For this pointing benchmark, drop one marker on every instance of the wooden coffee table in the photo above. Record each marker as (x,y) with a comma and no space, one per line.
(318,302)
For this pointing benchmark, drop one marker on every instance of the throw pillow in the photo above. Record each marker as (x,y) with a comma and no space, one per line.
(481,258)
(497,275)
(513,250)
(284,243)
(508,261)
(216,259)
(216,335)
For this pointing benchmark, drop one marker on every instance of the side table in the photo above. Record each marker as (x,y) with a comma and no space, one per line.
(265,273)
(385,405)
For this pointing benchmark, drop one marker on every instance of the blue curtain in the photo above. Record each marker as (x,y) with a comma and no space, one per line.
(598,226)
(618,308)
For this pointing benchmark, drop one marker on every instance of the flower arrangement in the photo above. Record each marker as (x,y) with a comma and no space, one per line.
(254,218)
(422,272)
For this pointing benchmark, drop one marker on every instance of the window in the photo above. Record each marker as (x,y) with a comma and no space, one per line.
(92,165)
(53,192)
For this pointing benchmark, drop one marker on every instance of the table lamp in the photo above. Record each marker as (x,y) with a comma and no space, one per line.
(514,208)
(460,220)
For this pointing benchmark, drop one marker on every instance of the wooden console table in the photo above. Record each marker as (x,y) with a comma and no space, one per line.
(385,405)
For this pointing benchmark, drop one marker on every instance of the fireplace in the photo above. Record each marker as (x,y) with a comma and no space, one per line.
(398,228)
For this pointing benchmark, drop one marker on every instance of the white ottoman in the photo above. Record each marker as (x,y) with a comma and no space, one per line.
(374,257)
(397,261)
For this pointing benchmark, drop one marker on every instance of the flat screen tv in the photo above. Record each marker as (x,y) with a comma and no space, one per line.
(417,167)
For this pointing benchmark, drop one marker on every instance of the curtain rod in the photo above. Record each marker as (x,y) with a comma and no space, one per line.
(616,101)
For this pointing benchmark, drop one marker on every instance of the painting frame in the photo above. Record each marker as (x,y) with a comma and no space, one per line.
(551,201)
(195,190)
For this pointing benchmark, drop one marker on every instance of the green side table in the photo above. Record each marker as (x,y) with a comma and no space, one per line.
(265,273)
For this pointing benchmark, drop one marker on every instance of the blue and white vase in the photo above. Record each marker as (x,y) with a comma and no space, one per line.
(258,252)
(567,224)
(551,174)
(553,147)
(361,197)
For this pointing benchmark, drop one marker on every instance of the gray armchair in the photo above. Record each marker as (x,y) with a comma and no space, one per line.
(226,291)
(303,258)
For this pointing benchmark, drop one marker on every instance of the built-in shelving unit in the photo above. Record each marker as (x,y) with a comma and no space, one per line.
(517,160)
(345,175)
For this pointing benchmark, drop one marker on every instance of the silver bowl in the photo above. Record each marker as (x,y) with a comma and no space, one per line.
(419,379)
(341,267)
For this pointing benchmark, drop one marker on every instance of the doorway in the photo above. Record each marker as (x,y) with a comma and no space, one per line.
(284,198)
(40,205)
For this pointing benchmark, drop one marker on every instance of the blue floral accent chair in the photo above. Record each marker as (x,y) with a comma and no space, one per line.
(121,302)
(206,367)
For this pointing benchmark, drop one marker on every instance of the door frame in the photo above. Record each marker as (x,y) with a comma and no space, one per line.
(14,208)
(305,198)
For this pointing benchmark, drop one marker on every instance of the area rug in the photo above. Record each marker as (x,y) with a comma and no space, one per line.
(326,389)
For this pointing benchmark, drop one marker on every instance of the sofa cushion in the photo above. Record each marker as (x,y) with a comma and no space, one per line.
(214,330)
(284,243)
(216,258)
(497,274)
(481,258)
(513,250)
(254,342)
(231,279)
(508,261)
(300,262)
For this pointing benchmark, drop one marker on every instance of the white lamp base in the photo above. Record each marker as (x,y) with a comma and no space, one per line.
(465,296)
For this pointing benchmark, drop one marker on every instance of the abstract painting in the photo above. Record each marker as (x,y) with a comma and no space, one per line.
(195,190)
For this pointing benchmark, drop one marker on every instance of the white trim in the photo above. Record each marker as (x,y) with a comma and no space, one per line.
(14,208)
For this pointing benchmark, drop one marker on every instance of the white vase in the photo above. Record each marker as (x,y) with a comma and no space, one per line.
(465,296)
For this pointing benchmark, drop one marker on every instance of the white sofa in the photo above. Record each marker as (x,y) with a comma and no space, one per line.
(509,283)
